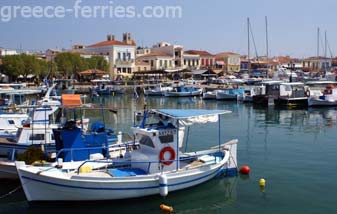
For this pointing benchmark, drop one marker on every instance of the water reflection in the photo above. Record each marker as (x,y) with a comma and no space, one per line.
(312,120)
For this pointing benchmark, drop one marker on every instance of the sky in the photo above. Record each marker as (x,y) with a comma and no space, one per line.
(215,26)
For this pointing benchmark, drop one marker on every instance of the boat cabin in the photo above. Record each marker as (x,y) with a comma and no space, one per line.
(269,88)
(292,89)
(158,141)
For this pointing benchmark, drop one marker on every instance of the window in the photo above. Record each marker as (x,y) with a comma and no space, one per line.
(36,137)
(160,63)
(145,69)
(124,56)
(129,70)
(129,56)
(165,63)
(151,63)
(119,55)
(11,122)
(146,140)
(166,138)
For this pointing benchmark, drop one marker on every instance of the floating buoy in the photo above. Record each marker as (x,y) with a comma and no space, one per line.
(245,170)
(166,208)
(262,183)
(163,188)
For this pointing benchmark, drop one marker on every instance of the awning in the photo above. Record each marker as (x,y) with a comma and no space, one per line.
(92,72)
(220,62)
(71,100)
(190,116)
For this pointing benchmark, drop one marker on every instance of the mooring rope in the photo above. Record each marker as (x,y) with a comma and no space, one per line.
(11,192)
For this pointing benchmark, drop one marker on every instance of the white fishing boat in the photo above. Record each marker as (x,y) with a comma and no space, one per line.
(229,93)
(158,90)
(328,98)
(209,95)
(247,96)
(292,94)
(183,91)
(10,122)
(158,167)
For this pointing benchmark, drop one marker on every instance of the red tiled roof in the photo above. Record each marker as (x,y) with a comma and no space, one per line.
(92,71)
(201,53)
(225,54)
(111,42)
(140,62)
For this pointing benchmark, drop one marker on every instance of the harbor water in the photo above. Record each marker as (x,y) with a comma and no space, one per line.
(293,150)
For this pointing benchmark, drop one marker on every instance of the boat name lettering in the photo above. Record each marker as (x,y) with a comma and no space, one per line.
(167,132)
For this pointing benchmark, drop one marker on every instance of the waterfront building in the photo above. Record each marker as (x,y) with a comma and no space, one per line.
(121,54)
(157,60)
(191,61)
(7,52)
(207,60)
(317,64)
(141,65)
(142,51)
(51,54)
(228,61)
(175,51)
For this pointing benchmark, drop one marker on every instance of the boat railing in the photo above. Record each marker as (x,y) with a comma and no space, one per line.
(107,148)
(118,162)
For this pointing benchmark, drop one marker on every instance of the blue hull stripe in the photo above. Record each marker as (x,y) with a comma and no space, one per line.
(124,188)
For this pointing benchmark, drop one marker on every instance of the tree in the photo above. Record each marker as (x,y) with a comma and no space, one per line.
(97,62)
(23,64)
(70,63)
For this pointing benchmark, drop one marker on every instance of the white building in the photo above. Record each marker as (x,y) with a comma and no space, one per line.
(158,60)
(121,54)
(191,61)
(6,52)
(176,51)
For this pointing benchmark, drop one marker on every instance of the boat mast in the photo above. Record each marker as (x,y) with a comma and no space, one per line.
(248,57)
(267,53)
(318,42)
(325,45)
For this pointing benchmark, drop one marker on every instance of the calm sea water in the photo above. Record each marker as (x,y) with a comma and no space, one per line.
(293,150)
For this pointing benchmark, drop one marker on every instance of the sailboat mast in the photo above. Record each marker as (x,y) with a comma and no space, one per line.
(248,56)
(317,42)
(267,45)
(325,45)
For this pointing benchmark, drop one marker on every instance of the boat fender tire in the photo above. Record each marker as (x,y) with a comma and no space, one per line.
(307,93)
(162,155)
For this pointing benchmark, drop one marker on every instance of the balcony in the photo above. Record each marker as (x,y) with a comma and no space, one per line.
(124,62)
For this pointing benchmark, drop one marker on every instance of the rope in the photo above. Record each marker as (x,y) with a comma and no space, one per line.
(11,192)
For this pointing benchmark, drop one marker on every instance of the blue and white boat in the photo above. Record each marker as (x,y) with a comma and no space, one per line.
(229,93)
(158,90)
(159,166)
(183,91)
(326,99)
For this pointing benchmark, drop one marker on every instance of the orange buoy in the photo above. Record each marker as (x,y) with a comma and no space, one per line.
(245,170)
(166,208)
